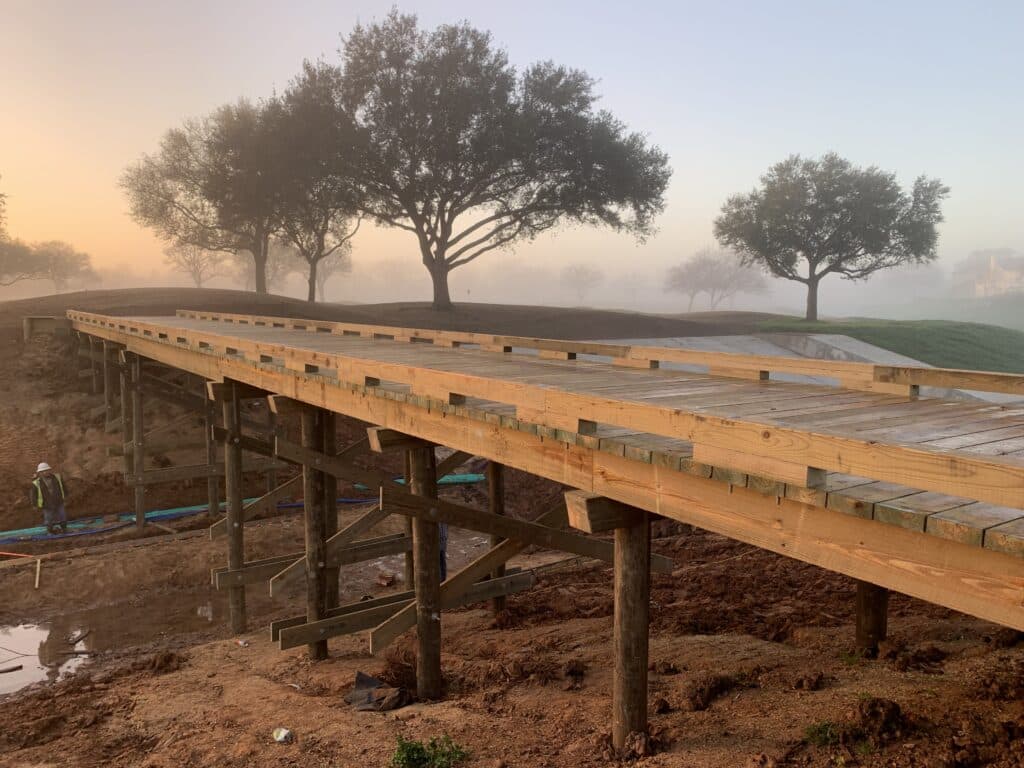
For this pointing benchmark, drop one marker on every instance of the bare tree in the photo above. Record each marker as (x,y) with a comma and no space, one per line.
(198,263)
(282,260)
(582,279)
(62,265)
(339,262)
(211,184)
(18,261)
(318,192)
(720,274)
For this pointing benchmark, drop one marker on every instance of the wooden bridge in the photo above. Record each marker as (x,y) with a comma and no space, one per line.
(865,476)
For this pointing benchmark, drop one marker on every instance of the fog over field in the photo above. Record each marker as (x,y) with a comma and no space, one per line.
(919,89)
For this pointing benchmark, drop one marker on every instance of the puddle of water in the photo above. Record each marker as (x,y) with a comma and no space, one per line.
(41,657)
(46,653)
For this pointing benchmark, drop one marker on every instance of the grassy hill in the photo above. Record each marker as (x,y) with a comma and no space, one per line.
(943,343)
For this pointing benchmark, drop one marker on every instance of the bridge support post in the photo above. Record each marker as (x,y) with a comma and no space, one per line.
(125,385)
(409,573)
(94,364)
(426,544)
(315,525)
(233,497)
(108,380)
(212,482)
(496,506)
(138,440)
(330,448)
(272,429)
(632,615)
(872,617)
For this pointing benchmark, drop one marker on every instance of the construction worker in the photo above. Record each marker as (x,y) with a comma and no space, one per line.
(48,493)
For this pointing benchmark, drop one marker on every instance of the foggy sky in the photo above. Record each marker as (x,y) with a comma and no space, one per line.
(726,89)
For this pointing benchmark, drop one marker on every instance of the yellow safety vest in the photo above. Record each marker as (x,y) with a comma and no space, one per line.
(37,483)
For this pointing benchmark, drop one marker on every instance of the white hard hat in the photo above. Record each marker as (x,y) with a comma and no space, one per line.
(43,467)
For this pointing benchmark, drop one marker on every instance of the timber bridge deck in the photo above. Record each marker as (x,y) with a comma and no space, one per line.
(866,477)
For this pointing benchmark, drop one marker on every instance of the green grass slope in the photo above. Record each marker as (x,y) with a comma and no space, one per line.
(942,343)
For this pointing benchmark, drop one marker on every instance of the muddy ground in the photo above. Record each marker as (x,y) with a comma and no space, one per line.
(751,653)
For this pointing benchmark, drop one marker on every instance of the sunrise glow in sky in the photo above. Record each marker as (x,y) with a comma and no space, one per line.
(725,88)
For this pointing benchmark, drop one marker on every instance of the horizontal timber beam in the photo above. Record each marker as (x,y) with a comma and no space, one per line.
(357,552)
(437,510)
(598,514)
(189,472)
(357,621)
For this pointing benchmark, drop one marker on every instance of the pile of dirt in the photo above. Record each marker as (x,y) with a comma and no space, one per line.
(1003,682)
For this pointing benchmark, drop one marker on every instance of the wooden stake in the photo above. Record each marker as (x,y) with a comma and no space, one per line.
(233,494)
(632,613)
(426,545)
(138,442)
(496,506)
(872,617)
(330,448)
(316,540)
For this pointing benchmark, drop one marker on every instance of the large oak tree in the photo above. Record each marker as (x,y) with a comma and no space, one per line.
(471,155)
(212,185)
(811,218)
(318,187)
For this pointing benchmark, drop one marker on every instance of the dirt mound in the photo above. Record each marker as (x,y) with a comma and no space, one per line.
(1003,683)
(162,662)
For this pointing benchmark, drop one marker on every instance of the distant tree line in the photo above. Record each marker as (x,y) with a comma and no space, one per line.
(433,132)
(55,261)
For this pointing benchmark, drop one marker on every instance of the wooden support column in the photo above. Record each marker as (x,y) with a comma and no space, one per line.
(108,380)
(426,544)
(138,442)
(94,364)
(496,506)
(126,411)
(212,482)
(872,617)
(632,614)
(272,430)
(330,448)
(233,496)
(315,518)
(410,557)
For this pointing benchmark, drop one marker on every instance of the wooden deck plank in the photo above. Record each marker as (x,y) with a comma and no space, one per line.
(968,524)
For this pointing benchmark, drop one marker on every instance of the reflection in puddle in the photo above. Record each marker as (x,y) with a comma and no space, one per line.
(43,655)
(52,650)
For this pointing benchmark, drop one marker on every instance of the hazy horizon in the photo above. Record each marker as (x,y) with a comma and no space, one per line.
(917,88)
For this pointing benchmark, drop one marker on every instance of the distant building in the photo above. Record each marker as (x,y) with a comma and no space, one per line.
(992,272)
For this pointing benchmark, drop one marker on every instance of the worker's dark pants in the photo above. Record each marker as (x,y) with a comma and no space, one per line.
(52,517)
